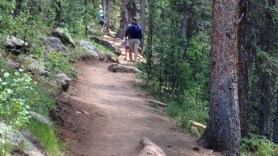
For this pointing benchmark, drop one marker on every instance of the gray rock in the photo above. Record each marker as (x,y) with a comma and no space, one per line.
(63,36)
(63,81)
(17,138)
(54,44)
(16,45)
(35,66)
(93,51)
(40,118)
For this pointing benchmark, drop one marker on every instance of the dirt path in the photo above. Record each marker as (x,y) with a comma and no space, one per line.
(104,115)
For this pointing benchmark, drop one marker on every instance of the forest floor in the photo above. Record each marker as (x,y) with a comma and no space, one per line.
(106,114)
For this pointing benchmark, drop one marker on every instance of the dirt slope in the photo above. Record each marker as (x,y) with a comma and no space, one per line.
(106,116)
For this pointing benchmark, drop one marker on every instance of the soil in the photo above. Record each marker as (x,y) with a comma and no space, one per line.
(106,114)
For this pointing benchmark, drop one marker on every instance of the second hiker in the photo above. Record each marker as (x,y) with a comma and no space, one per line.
(134,35)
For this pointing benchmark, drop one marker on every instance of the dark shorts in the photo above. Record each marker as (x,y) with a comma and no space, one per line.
(101,23)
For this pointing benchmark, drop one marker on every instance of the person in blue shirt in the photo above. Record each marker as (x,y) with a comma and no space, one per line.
(101,17)
(134,35)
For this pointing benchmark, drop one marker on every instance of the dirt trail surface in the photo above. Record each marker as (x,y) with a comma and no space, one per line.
(104,115)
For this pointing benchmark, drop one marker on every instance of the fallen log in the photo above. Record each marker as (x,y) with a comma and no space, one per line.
(200,126)
(156,102)
(122,68)
(150,149)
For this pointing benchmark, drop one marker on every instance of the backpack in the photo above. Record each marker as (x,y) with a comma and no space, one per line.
(136,29)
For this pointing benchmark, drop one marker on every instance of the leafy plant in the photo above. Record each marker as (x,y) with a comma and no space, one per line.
(57,63)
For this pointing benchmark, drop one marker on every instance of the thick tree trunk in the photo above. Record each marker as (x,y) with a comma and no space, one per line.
(223,130)
(275,130)
(265,126)
(123,22)
(57,22)
(150,40)
(243,67)
(108,16)
(131,9)
(143,12)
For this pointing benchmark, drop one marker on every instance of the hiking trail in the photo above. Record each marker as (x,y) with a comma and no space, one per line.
(104,114)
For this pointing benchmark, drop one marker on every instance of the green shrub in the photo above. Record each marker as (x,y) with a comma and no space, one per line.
(257,146)
(57,63)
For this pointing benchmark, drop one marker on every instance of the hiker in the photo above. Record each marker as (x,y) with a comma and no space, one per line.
(101,18)
(134,35)
(127,48)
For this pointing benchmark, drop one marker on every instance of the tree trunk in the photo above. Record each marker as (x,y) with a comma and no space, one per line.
(183,24)
(275,130)
(243,67)
(18,7)
(123,22)
(265,126)
(57,22)
(103,2)
(108,16)
(223,131)
(143,12)
(131,9)
(150,40)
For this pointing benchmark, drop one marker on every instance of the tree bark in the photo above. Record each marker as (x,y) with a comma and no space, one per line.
(223,130)
(108,16)
(123,22)
(150,41)
(143,12)
(243,67)
(18,7)
(131,9)
(275,130)
(57,22)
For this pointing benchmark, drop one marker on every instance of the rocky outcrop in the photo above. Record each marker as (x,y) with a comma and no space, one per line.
(16,45)
(63,81)
(54,44)
(96,53)
(63,36)
(16,139)
(92,50)
(151,149)
(122,68)
(34,66)
(109,45)
(40,118)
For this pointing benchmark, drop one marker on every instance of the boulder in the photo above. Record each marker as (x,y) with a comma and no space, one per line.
(34,66)
(122,68)
(16,139)
(91,49)
(150,148)
(16,45)
(109,45)
(63,36)
(63,81)
(54,44)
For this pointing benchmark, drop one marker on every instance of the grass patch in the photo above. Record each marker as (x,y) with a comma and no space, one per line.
(46,136)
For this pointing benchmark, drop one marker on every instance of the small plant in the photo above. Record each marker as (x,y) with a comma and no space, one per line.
(57,63)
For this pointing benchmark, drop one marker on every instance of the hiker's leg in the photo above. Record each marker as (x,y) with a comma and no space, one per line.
(136,46)
(130,55)
(126,51)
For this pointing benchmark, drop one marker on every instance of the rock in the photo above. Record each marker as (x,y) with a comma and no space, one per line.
(63,36)
(16,45)
(110,46)
(13,64)
(93,51)
(40,118)
(63,81)
(34,66)
(151,149)
(122,68)
(54,44)
(17,138)
(112,59)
